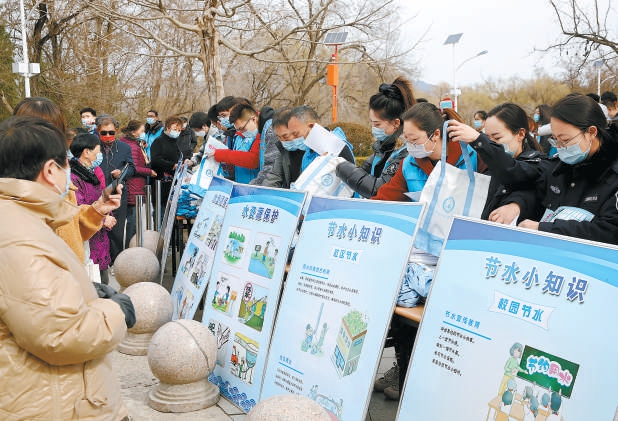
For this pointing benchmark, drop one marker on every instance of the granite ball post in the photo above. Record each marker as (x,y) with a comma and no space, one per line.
(153,308)
(182,354)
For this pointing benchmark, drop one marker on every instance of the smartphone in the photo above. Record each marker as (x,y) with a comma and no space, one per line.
(120,180)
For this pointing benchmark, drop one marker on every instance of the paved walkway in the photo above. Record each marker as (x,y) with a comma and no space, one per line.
(136,380)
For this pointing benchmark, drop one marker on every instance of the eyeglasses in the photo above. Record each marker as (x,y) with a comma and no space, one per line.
(242,129)
(559,144)
(403,139)
(107,132)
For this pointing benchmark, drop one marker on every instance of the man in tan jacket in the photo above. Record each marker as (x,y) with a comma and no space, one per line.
(55,331)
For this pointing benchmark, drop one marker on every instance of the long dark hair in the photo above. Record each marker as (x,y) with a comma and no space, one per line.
(427,117)
(393,99)
(515,118)
(583,112)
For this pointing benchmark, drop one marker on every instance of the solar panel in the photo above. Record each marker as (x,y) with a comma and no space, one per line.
(335,38)
(453,39)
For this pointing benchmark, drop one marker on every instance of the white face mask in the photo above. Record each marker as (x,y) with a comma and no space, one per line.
(201,133)
(67,186)
(419,151)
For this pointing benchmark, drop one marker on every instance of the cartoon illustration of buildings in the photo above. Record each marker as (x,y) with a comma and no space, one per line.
(350,340)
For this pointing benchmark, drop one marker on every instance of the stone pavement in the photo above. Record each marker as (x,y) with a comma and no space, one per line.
(136,380)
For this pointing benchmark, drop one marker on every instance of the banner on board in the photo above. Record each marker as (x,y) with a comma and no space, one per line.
(198,257)
(519,325)
(338,301)
(245,285)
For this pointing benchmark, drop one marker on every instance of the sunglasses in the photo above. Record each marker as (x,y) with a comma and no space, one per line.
(105,132)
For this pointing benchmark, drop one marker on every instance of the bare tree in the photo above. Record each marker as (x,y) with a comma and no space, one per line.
(587,31)
(286,34)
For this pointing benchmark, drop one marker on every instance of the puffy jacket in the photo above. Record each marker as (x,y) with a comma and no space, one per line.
(164,154)
(55,333)
(377,170)
(591,185)
(135,185)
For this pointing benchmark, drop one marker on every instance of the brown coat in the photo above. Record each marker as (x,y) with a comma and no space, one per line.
(55,333)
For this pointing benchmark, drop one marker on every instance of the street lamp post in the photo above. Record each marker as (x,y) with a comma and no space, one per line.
(453,39)
(480,53)
(26,68)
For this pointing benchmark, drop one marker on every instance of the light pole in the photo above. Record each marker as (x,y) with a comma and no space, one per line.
(598,64)
(26,68)
(453,39)
(457,91)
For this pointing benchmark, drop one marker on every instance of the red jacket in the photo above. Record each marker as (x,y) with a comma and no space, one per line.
(135,185)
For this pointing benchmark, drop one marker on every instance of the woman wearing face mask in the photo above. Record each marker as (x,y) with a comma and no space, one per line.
(506,137)
(164,155)
(115,155)
(89,219)
(86,150)
(578,190)
(385,109)
(245,154)
(133,134)
(422,132)
(541,118)
(479,121)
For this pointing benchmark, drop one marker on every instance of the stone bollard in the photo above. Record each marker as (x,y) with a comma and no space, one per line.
(182,354)
(149,239)
(288,408)
(153,308)
(136,264)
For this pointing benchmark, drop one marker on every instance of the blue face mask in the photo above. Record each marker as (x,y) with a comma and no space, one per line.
(572,154)
(508,150)
(478,124)
(142,136)
(379,134)
(67,186)
(150,120)
(97,161)
(225,121)
(536,117)
(294,145)
(174,134)
(250,134)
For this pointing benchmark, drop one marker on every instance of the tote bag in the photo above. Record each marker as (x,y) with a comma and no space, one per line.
(319,178)
(448,192)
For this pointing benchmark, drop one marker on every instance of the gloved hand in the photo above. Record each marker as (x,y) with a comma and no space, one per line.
(104,291)
(124,301)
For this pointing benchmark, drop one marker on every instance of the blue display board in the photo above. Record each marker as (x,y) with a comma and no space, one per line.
(519,325)
(198,257)
(245,285)
(338,300)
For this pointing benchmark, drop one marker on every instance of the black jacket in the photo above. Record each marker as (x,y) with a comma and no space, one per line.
(186,142)
(591,185)
(360,178)
(510,179)
(164,154)
(115,157)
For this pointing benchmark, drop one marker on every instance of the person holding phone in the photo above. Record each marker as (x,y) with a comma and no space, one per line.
(116,155)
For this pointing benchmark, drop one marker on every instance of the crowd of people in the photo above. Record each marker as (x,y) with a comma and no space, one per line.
(60,216)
